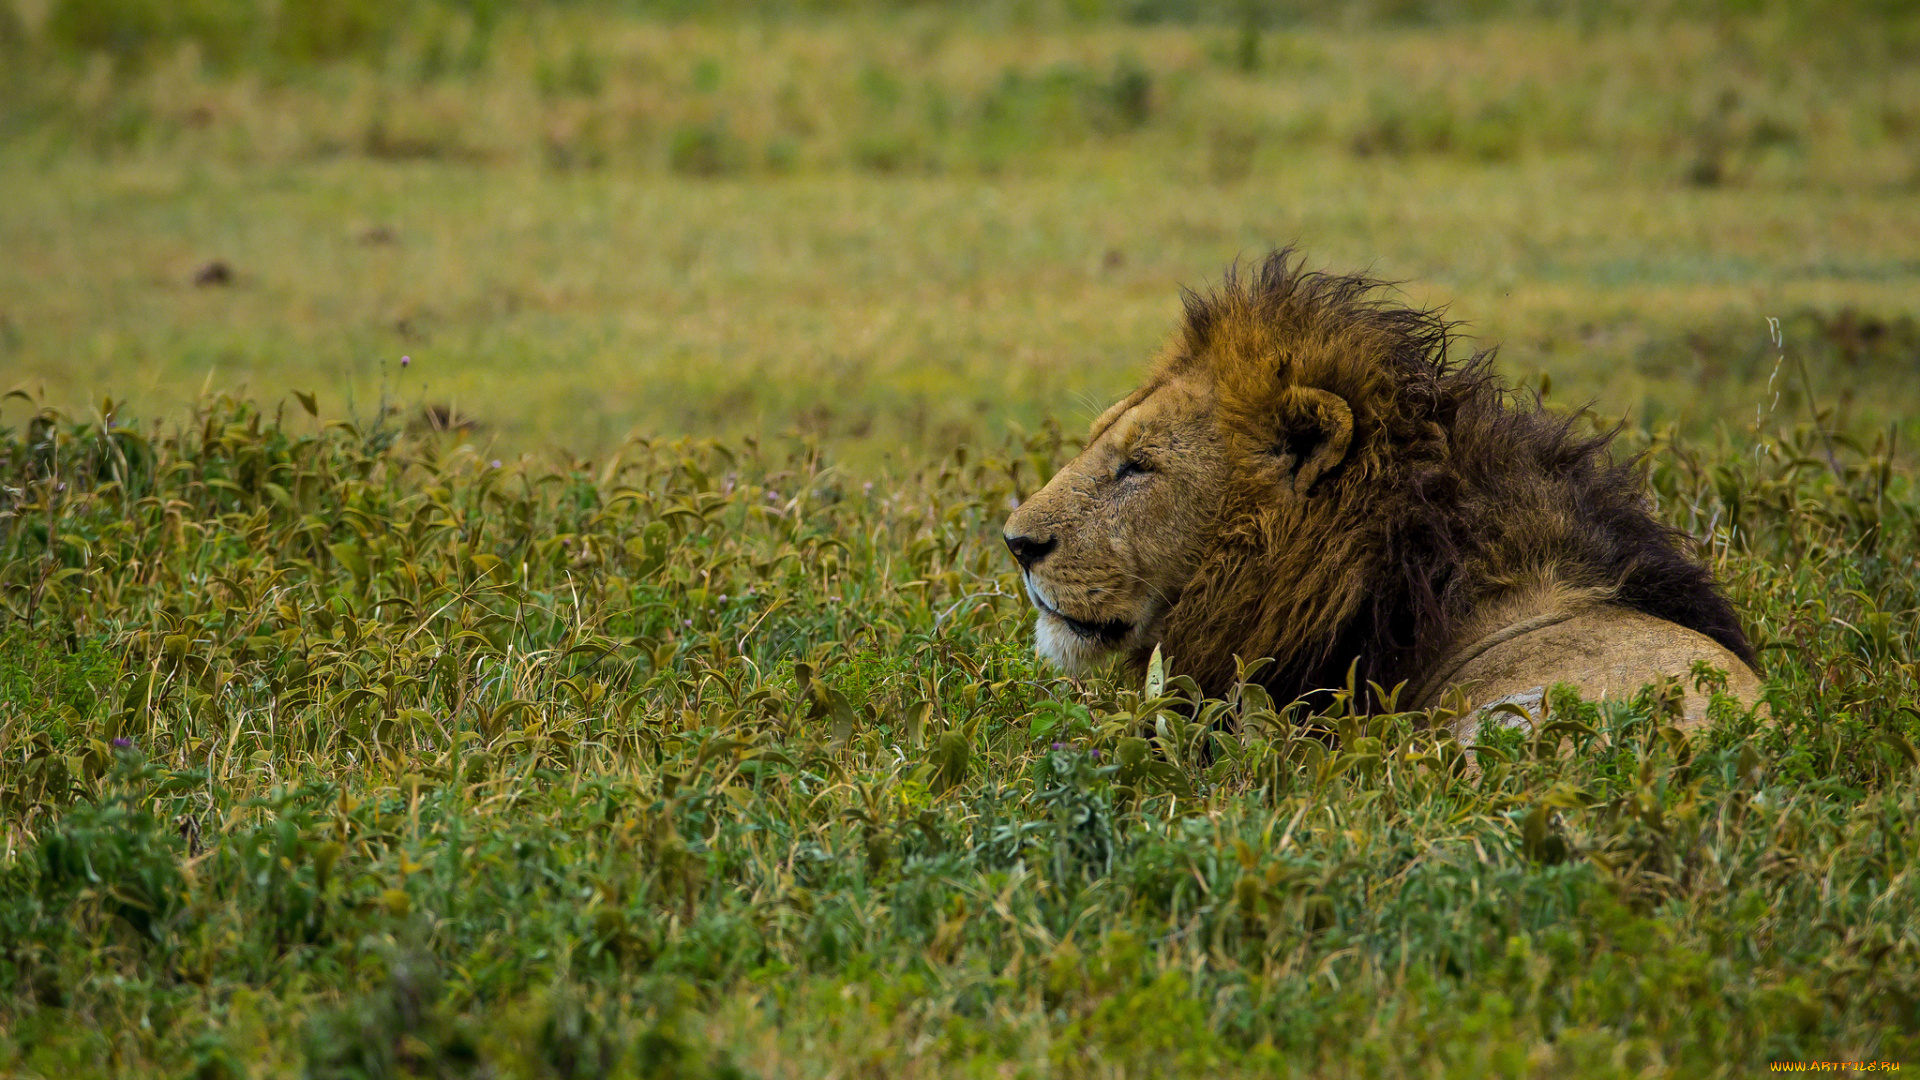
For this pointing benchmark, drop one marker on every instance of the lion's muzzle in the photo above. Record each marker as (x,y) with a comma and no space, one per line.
(1108,633)
(1028,550)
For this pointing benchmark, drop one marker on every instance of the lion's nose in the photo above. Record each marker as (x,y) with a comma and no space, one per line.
(1027,551)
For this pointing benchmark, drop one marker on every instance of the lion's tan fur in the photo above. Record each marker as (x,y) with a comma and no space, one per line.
(1306,476)
(1554,636)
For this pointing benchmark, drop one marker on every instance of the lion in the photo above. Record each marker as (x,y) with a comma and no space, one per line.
(1307,476)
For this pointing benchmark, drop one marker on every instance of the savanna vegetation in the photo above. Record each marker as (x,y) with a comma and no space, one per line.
(633,682)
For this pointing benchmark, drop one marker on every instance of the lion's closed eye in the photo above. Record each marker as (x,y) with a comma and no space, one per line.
(1132,467)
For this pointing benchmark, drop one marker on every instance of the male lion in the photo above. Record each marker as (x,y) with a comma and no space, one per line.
(1305,476)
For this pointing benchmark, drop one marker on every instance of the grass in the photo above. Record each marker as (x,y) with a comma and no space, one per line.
(677,715)
(896,232)
(360,755)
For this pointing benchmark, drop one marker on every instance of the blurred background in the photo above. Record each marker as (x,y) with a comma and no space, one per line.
(895,226)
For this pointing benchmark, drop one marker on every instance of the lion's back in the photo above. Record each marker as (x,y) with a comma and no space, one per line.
(1605,651)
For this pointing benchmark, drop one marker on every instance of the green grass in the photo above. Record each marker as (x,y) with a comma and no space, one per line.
(337,752)
(680,717)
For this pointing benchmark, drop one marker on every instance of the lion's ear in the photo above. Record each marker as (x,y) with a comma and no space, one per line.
(1316,427)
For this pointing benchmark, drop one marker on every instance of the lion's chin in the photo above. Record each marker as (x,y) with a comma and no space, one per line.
(1076,646)
(1069,648)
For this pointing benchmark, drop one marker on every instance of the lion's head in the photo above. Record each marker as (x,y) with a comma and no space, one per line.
(1305,475)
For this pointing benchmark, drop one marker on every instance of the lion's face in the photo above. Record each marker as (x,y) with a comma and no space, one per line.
(1108,544)
(1202,502)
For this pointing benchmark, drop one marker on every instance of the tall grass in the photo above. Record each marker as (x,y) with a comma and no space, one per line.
(337,749)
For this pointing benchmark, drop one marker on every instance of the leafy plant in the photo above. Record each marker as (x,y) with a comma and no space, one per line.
(693,761)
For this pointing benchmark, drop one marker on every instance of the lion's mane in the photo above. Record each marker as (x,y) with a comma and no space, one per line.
(1456,489)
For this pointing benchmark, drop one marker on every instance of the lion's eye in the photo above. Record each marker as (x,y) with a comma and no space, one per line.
(1132,467)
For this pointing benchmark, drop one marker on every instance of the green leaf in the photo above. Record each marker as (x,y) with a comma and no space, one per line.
(351,556)
(952,756)
(346,700)
(1156,675)
(914,727)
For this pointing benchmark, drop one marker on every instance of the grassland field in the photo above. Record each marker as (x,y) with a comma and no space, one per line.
(633,682)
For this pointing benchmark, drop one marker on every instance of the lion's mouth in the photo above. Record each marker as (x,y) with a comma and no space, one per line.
(1108,633)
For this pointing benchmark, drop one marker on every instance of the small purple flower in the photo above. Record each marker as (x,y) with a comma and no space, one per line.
(123,744)
(496,463)
(1059,746)
(1095,753)
(405,360)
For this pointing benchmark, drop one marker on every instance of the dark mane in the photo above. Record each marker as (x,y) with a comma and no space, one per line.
(1456,488)
(1464,526)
